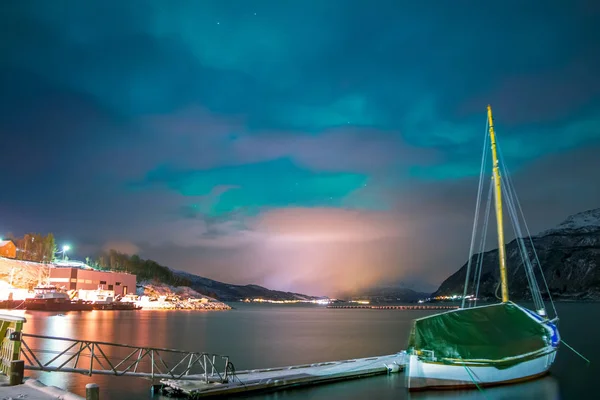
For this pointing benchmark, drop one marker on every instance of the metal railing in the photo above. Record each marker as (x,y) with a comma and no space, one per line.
(103,358)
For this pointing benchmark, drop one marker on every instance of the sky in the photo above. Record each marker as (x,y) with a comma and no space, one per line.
(320,147)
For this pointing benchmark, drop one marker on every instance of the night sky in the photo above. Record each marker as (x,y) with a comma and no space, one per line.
(312,145)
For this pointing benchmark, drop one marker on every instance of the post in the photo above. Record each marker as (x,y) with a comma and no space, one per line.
(17,371)
(92,392)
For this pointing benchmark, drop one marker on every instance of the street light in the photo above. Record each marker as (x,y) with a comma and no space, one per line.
(65,249)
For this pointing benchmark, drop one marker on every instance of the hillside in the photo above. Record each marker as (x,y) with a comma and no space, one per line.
(149,270)
(569,255)
(25,274)
(229,292)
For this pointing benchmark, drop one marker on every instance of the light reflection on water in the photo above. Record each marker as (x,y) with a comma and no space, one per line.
(545,388)
(258,336)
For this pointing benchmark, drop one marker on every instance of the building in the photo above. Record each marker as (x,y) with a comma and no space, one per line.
(76,278)
(8,249)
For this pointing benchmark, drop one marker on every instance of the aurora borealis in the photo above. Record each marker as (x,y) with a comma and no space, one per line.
(313,146)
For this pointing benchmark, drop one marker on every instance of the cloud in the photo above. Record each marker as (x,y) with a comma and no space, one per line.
(122,247)
(340,149)
(424,238)
(250,145)
(267,184)
(542,97)
(326,225)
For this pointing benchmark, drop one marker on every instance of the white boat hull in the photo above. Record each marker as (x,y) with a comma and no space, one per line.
(423,375)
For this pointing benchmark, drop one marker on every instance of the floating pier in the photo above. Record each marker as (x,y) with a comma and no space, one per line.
(242,382)
(372,307)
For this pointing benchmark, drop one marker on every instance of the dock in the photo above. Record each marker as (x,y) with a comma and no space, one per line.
(374,307)
(189,373)
(243,382)
(32,389)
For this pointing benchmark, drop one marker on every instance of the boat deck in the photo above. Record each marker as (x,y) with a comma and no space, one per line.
(285,377)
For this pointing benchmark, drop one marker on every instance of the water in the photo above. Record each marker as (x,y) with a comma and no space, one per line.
(260,336)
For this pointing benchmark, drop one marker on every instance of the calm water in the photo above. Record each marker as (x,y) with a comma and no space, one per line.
(257,336)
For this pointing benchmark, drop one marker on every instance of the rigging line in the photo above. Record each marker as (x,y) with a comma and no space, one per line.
(524,256)
(509,179)
(475,219)
(575,351)
(483,239)
(473,379)
(529,271)
(480,254)
(496,293)
(523,250)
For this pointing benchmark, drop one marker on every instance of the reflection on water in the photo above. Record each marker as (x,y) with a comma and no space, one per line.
(258,336)
(545,388)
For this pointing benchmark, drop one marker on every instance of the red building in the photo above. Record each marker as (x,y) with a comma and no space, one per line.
(73,278)
(8,249)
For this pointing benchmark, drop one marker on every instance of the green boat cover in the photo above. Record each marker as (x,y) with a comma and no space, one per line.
(493,332)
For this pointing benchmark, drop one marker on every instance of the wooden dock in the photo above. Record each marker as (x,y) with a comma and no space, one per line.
(373,307)
(271,379)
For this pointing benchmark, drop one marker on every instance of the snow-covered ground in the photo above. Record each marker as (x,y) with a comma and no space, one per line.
(155,296)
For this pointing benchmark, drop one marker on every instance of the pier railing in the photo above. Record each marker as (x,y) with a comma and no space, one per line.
(58,354)
(10,341)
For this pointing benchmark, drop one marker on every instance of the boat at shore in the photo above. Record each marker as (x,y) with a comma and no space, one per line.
(50,298)
(476,346)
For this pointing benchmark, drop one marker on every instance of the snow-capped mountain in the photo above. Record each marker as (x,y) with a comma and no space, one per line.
(569,255)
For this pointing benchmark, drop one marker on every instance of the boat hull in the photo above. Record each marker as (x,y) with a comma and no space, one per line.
(56,305)
(423,375)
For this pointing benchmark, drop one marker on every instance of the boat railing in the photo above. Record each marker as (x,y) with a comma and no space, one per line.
(426,355)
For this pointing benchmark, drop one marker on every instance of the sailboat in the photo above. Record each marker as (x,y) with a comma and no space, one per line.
(475,346)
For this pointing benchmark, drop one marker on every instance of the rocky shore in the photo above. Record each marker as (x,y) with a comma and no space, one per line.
(154,296)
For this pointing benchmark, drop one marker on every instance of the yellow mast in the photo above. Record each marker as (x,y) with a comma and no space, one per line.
(498,198)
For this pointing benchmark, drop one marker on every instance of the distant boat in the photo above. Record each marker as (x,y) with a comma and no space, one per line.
(488,345)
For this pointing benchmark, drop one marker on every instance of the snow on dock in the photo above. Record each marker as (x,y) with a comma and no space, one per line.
(284,377)
(32,389)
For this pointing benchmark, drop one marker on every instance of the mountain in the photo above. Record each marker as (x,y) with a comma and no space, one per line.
(389,294)
(569,255)
(229,292)
(151,271)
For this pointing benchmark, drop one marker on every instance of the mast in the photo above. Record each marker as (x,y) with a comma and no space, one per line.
(498,198)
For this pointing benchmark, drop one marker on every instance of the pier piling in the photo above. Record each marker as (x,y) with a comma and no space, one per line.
(17,371)
(92,392)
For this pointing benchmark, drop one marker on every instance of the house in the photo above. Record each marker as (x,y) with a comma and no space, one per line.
(74,278)
(8,249)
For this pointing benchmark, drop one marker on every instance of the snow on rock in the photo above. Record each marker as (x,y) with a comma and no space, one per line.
(25,274)
(161,296)
(585,220)
(582,219)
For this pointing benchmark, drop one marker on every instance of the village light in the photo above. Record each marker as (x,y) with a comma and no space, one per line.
(65,249)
